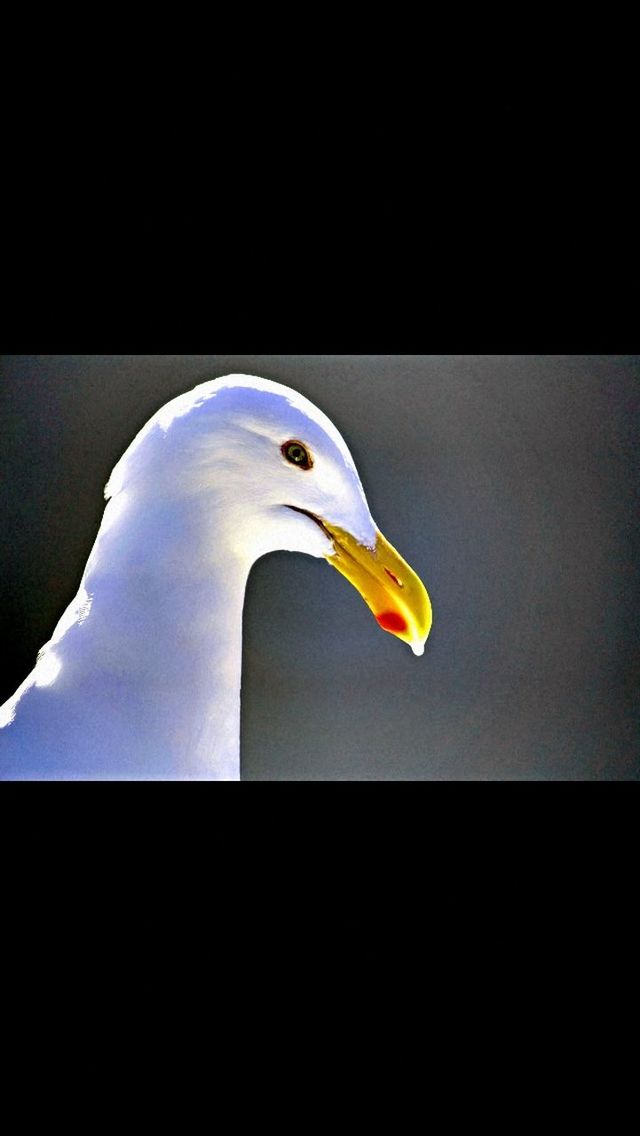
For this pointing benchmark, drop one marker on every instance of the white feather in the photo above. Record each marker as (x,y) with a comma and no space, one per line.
(142,675)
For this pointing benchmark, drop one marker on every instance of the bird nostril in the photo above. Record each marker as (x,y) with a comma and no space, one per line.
(394,578)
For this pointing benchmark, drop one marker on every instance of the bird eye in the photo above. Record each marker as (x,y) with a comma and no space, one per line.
(297,454)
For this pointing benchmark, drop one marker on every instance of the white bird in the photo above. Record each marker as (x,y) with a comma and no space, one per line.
(141,678)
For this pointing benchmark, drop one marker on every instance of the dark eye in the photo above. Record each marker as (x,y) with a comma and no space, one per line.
(297,454)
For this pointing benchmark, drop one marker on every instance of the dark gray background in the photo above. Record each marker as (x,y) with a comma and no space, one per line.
(508,482)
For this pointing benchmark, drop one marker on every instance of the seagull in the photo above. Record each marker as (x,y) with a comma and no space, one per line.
(141,677)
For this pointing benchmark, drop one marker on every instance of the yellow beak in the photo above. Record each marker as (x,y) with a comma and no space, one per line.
(396,596)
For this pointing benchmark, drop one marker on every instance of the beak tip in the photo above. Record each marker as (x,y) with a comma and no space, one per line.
(418,649)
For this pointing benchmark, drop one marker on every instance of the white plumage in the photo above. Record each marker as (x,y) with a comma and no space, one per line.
(141,678)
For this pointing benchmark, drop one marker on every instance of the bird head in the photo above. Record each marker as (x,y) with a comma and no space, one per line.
(277,475)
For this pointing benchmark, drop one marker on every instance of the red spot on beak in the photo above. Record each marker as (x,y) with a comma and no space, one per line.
(392,621)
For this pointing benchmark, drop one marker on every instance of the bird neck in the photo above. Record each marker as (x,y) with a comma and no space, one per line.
(165,634)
